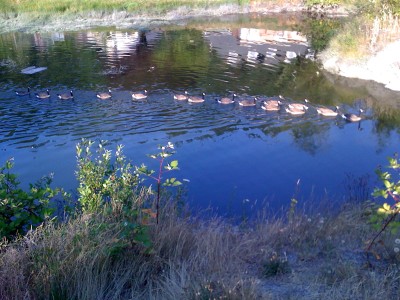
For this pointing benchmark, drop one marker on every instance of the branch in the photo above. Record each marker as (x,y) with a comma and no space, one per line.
(390,219)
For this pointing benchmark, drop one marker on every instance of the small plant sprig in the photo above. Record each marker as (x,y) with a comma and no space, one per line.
(166,151)
(390,189)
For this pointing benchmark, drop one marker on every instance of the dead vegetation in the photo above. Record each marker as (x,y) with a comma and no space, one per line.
(300,257)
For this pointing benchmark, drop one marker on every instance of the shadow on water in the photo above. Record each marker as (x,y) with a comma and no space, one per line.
(232,155)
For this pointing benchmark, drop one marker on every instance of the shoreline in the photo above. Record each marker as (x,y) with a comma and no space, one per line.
(382,67)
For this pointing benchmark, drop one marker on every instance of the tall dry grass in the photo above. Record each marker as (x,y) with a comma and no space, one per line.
(306,257)
(384,29)
(365,36)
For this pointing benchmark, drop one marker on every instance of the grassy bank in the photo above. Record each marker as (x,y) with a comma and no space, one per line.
(124,240)
(317,256)
(76,6)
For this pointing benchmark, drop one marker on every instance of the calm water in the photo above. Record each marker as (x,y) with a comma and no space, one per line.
(235,158)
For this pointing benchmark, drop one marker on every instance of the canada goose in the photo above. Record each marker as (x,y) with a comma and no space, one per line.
(104,95)
(66,96)
(23,93)
(353,117)
(272,102)
(299,106)
(295,111)
(197,99)
(226,100)
(327,112)
(248,102)
(140,96)
(271,105)
(43,95)
(181,97)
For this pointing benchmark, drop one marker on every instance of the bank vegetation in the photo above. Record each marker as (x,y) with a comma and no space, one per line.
(121,238)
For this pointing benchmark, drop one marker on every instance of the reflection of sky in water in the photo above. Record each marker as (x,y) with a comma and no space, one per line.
(234,157)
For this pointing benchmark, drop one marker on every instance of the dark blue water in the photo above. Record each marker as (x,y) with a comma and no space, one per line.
(234,159)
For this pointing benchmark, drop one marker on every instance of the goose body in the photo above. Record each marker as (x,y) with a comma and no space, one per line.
(352,117)
(295,111)
(43,95)
(271,105)
(140,96)
(272,102)
(23,93)
(299,106)
(104,95)
(247,102)
(226,100)
(181,97)
(327,112)
(197,99)
(66,96)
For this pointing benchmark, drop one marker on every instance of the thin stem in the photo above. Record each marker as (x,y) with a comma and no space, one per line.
(159,189)
(392,217)
(158,200)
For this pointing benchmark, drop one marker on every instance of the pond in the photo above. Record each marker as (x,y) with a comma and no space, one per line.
(234,159)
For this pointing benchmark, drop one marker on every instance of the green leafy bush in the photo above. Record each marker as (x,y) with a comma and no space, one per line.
(387,214)
(21,210)
(102,181)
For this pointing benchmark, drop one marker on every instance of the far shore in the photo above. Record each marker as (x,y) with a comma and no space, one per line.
(383,67)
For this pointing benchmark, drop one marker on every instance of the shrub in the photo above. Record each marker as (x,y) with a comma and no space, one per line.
(386,217)
(20,210)
(101,181)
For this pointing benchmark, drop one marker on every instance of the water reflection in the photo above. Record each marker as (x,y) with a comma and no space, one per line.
(253,45)
(263,152)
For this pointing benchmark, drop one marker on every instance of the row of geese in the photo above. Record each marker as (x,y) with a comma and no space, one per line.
(270,104)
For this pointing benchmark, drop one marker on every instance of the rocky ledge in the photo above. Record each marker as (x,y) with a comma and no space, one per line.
(383,67)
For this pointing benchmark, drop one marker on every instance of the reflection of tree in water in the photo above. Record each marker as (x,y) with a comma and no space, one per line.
(142,41)
(310,136)
(387,121)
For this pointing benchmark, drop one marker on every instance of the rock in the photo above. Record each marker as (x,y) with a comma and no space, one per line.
(383,67)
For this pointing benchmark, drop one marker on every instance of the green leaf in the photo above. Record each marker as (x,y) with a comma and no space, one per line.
(176,183)
(174,164)
(379,193)
(387,184)
(383,211)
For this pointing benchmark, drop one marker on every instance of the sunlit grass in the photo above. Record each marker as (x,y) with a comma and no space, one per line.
(72,6)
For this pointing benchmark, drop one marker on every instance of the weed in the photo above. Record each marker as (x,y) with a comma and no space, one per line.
(276,265)
(166,151)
